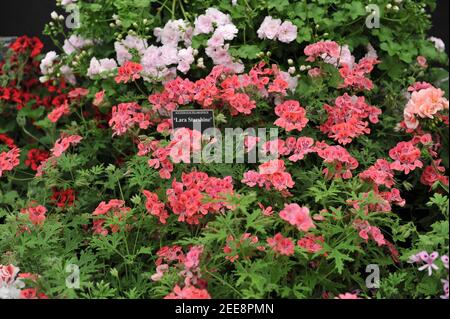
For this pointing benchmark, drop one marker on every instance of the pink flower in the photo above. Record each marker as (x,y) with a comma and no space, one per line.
(422,61)
(281,245)
(341,161)
(355,76)
(114,208)
(160,270)
(36,214)
(324,49)
(428,260)
(303,146)
(188,292)
(433,173)
(287,32)
(155,207)
(99,97)
(380,174)
(292,116)
(63,143)
(9,160)
(417,86)
(58,112)
(125,116)
(297,216)
(269,28)
(445,287)
(315,72)
(406,157)
(311,243)
(365,230)
(192,260)
(8,275)
(271,174)
(348,118)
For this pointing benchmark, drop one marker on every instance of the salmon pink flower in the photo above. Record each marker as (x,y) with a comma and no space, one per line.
(125,116)
(129,72)
(155,207)
(292,116)
(406,157)
(36,214)
(9,160)
(188,292)
(58,112)
(63,143)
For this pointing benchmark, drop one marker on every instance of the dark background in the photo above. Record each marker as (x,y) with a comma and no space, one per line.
(28,17)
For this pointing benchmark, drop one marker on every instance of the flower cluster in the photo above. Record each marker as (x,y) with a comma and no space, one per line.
(281,245)
(297,216)
(197,195)
(9,160)
(222,29)
(127,115)
(63,198)
(340,162)
(366,230)
(274,29)
(35,214)
(129,72)
(406,157)
(155,206)
(425,102)
(347,118)
(312,244)
(291,116)
(271,174)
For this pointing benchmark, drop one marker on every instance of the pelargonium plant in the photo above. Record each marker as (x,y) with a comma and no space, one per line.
(102,197)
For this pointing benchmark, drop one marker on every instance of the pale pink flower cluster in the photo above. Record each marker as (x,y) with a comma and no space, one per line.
(75,43)
(425,103)
(162,62)
(222,29)
(297,216)
(102,67)
(48,62)
(274,29)
(124,47)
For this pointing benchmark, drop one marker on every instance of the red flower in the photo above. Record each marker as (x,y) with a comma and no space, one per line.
(63,198)
(24,44)
(35,157)
(7,140)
